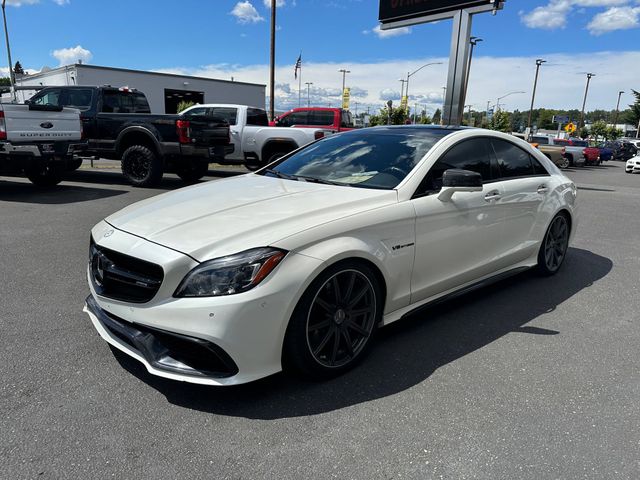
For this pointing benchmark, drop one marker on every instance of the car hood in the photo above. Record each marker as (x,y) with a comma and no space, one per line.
(222,217)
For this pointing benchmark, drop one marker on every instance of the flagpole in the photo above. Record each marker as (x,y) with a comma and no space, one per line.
(300,82)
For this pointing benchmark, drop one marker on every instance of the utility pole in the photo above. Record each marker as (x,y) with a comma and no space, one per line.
(539,63)
(12,77)
(272,60)
(584,102)
(402,87)
(615,121)
(473,41)
(308,84)
(344,78)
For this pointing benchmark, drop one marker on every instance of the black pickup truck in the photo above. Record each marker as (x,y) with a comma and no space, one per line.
(118,125)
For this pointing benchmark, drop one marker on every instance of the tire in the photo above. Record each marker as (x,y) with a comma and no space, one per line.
(74,164)
(570,158)
(45,177)
(565,163)
(141,166)
(253,164)
(192,170)
(555,243)
(333,324)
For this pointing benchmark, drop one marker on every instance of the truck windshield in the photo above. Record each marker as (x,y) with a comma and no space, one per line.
(79,98)
(371,158)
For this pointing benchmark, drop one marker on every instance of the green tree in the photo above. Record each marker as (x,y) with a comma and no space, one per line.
(5,82)
(599,129)
(545,119)
(632,115)
(583,132)
(613,133)
(501,121)
(184,104)
(437,117)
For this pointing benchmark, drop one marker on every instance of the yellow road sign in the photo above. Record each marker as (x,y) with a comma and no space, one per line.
(570,127)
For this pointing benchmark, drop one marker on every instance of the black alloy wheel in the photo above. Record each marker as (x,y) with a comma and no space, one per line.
(141,166)
(334,321)
(554,246)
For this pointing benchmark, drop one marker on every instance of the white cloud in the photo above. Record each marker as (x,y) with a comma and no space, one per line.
(396,32)
(615,18)
(555,14)
(62,2)
(245,12)
(67,56)
(19,3)
(279,3)
(549,17)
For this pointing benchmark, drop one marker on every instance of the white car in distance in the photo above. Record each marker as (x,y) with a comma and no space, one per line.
(633,165)
(296,265)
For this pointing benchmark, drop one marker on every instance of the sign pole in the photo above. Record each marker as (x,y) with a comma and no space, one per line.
(458,64)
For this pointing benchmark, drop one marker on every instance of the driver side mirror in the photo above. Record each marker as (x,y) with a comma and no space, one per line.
(454,180)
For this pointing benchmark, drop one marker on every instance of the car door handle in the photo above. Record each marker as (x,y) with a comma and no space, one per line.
(543,188)
(493,195)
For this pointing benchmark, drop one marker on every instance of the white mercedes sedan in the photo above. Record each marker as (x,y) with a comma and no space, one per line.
(295,266)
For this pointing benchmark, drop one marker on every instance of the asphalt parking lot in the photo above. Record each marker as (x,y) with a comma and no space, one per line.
(530,378)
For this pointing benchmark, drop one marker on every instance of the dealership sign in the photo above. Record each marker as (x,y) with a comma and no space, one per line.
(394,10)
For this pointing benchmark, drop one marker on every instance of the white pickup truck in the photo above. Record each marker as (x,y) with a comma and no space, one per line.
(39,141)
(253,142)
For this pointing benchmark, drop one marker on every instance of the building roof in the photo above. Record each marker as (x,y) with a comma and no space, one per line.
(78,66)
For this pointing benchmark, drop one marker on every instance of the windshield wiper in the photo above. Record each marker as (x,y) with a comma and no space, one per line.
(280,174)
(321,180)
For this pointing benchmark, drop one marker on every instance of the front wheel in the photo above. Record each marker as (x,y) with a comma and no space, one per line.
(333,324)
(141,166)
(565,163)
(554,246)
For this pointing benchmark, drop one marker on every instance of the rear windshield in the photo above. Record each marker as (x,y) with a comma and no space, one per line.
(371,158)
(80,98)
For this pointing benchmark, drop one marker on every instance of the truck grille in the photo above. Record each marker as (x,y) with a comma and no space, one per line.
(121,277)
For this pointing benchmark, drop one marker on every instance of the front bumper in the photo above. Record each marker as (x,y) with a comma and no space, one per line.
(248,328)
(633,166)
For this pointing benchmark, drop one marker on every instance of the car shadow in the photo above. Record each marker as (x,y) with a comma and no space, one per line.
(23,192)
(405,353)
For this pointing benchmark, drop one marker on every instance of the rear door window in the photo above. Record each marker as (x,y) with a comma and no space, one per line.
(257,117)
(228,114)
(194,112)
(346,120)
(295,118)
(117,102)
(513,161)
(320,118)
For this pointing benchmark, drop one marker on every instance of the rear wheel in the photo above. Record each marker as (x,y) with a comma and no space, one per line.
(47,176)
(192,170)
(565,163)
(554,246)
(141,166)
(333,324)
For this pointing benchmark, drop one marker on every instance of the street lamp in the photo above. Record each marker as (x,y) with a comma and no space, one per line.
(584,102)
(308,84)
(615,121)
(469,107)
(539,63)
(344,77)
(473,41)
(12,78)
(409,75)
(402,87)
(500,98)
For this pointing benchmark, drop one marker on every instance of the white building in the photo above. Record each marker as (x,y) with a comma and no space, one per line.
(163,90)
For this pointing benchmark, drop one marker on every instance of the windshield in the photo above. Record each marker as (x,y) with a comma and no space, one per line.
(378,157)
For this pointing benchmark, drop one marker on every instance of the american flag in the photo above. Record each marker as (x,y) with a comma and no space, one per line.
(298,66)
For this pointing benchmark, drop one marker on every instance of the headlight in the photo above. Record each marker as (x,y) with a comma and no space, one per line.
(229,275)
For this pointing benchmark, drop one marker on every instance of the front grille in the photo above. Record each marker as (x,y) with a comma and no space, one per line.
(121,277)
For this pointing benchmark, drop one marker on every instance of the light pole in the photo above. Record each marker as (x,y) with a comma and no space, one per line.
(402,87)
(539,63)
(584,102)
(409,75)
(615,121)
(473,41)
(469,121)
(308,84)
(272,59)
(344,80)
(12,78)
(500,98)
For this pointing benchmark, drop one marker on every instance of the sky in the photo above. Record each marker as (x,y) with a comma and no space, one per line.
(230,38)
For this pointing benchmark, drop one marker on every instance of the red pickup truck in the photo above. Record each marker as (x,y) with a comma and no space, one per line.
(334,119)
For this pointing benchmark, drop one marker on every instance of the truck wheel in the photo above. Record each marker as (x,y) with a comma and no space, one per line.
(74,164)
(141,166)
(253,164)
(193,170)
(45,177)
(565,163)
